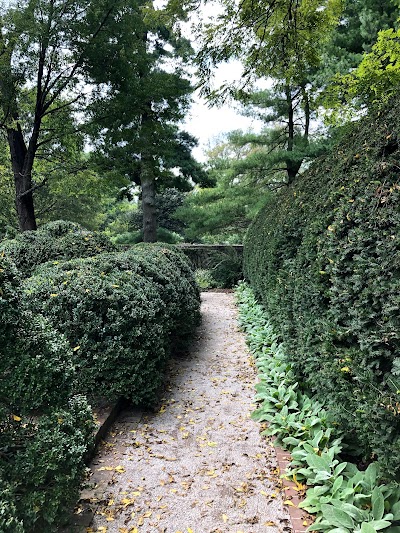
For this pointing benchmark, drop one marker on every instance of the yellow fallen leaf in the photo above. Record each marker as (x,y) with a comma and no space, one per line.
(123,530)
(127,501)
(264,493)
(140,521)
(16,418)
(224,518)
(111,502)
(102,529)
(76,348)
(119,469)
(134,530)
(288,502)
(105,468)
(147,514)
(211,444)
(190,530)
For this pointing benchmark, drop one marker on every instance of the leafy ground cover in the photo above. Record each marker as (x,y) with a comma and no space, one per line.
(344,498)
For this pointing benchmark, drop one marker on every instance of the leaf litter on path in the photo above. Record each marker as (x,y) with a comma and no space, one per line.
(198,463)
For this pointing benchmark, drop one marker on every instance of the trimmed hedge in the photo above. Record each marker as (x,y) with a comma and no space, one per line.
(121,313)
(42,464)
(324,257)
(102,325)
(59,240)
(44,435)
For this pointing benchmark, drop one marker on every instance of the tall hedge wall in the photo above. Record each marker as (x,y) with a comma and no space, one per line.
(324,258)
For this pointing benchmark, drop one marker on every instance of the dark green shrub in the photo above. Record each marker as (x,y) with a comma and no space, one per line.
(10,293)
(58,240)
(59,228)
(120,312)
(324,256)
(43,461)
(9,522)
(35,366)
(44,436)
(228,269)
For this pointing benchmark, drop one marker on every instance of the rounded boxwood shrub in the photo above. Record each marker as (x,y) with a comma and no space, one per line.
(36,366)
(42,461)
(324,257)
(9,522)
(120,313)
(10,294)
(58,240)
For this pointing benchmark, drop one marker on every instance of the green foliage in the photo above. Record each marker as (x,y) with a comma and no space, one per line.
(35,366)
(9,522)
(44,436)
(344,498)
(10,293)
(282,41)
(204,279)
(43,462)
(121,313)
(222,214)
(54,241)
(376,79)
(323,258)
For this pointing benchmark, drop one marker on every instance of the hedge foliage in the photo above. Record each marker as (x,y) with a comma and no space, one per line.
(121,313)
(324,257)
(101,325)
(45,432)
(59,240)
(42,464)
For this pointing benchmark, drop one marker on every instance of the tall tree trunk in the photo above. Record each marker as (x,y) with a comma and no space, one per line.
(148,201)
(22,171)
(292,167)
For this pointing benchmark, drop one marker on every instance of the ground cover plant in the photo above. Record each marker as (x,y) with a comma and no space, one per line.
(324,259)
(344,498)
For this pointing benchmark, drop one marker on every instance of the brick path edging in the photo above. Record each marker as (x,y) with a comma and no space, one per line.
(300,519)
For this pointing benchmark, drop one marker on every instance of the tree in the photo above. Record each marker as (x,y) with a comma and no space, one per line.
(44,45)
(373,82)
(145,143)
(224,212)
(281,39)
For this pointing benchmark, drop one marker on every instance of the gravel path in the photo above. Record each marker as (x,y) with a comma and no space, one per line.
(198,465)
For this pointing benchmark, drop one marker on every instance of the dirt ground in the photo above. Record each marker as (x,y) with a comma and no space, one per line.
(198,464)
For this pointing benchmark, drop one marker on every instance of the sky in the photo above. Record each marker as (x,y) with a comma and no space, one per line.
(208,123)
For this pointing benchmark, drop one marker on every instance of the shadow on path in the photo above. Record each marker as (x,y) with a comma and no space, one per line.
(198,465)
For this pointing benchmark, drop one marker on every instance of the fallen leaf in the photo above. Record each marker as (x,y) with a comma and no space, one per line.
(224,518)
(16,418)
(288,502)
(127,501)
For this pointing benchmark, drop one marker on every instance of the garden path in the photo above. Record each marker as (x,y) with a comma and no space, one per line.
(198,464)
